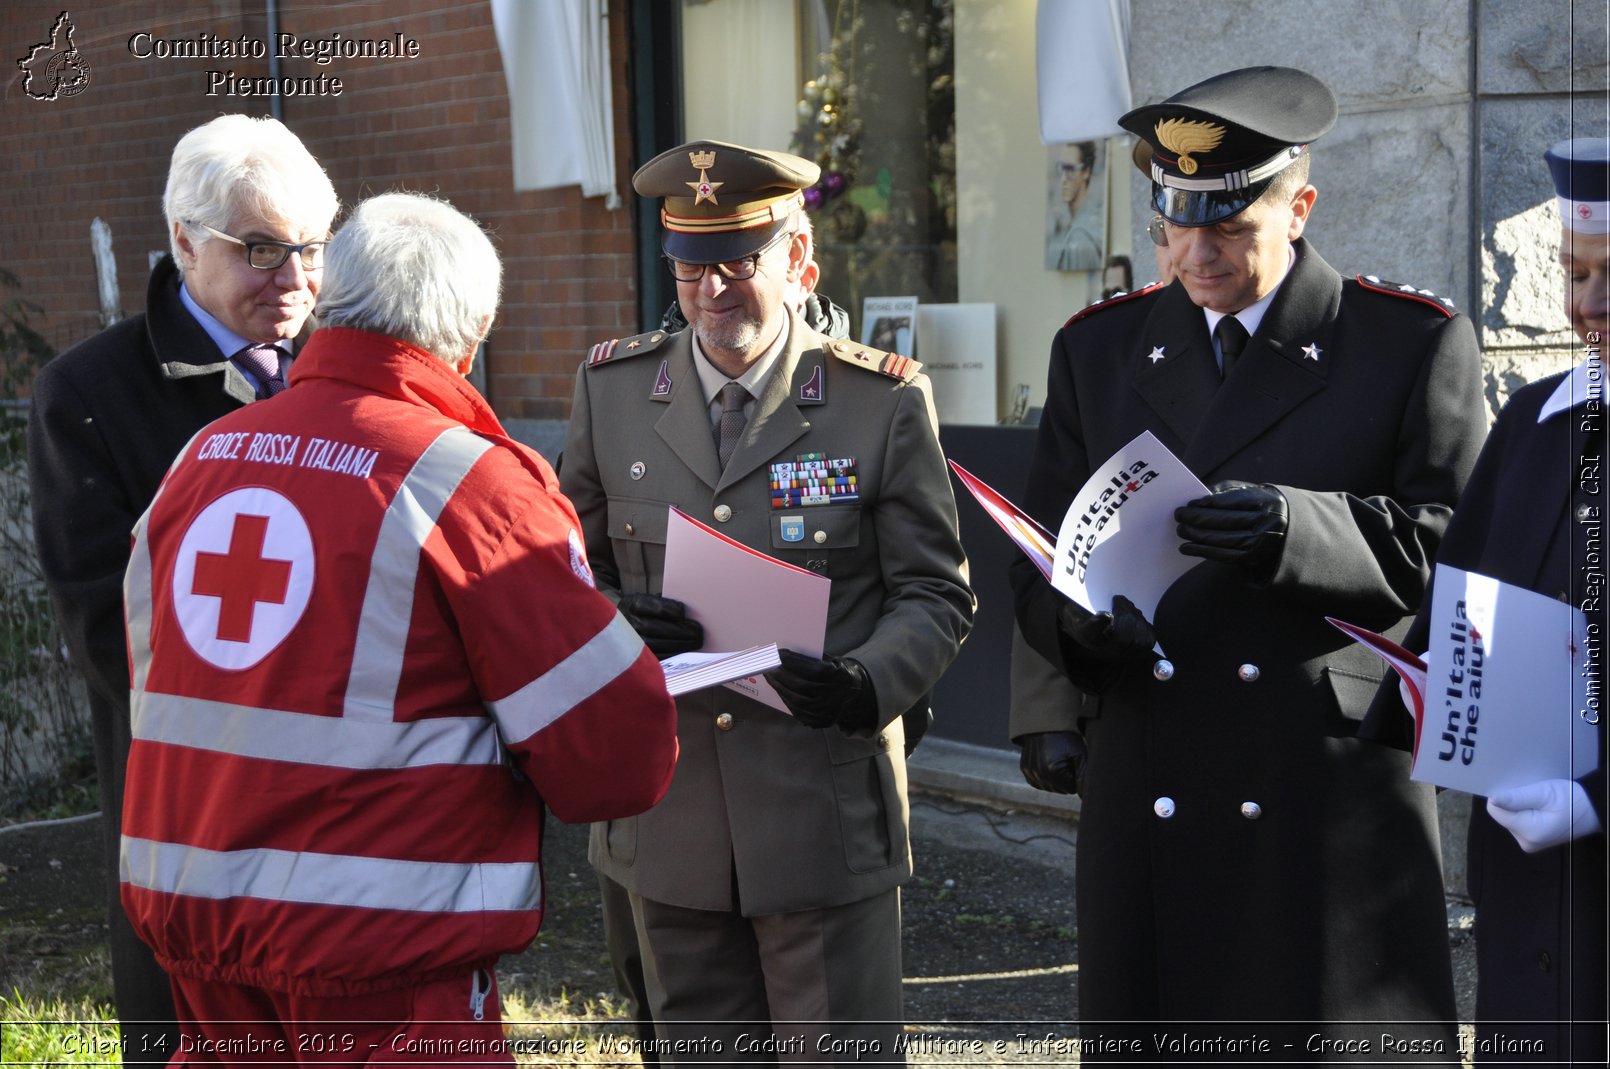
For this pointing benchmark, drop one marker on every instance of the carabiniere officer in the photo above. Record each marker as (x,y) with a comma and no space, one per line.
(1242,855)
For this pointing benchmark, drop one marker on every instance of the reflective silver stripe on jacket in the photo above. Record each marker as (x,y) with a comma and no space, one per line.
(137,586)
(325,741)
(570,682)
(388,601)
(137,610)
(330,879)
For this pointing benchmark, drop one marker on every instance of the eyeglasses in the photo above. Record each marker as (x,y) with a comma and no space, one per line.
(269,255)
(1157,232)
(732,270)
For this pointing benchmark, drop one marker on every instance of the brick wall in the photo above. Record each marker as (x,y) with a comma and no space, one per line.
(437,124)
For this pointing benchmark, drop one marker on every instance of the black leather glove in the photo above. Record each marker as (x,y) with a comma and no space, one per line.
(916,721)
(663,623)
(1053,761)
(1238,523)
(1124,634)
(821,693)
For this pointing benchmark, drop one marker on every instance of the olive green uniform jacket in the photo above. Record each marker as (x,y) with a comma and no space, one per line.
(790,817)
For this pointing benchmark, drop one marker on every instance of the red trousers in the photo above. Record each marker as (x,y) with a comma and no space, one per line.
(222,1024)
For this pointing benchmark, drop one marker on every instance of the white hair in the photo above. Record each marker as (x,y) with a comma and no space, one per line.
(236,164)
(414,268)
(802,223)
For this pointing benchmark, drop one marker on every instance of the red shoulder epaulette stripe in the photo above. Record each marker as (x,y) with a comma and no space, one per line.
(895,366)
(1376,284)
(602,351)
(1117,298)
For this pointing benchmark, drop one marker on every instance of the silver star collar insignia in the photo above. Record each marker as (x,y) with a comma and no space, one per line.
(1156,354)
(1311,352)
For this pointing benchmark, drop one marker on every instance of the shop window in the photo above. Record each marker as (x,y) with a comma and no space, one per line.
(866,88)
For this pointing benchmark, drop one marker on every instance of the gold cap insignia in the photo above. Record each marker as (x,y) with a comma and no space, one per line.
(1183,137)
(704,189)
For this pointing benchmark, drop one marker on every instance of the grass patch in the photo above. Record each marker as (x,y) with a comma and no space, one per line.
(56,1032)
(566,1030)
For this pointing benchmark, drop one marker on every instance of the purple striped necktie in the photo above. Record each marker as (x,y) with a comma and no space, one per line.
(263,361)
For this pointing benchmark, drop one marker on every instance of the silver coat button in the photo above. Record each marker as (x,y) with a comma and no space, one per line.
(723,513)
(1163,671)
(820,537)
(1584,512)
(1251,810)
(1248,673)
(630,529)
(1164,807)
(638,469)
(724,722)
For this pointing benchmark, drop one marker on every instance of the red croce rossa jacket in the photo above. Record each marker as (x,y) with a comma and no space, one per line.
(366,657)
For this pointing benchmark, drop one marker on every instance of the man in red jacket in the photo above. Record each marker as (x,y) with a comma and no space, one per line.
(366,654)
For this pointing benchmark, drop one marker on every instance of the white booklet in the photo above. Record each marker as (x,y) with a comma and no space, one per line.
(741,596)
(694,671)
(1119,535)
(1506,687)
(1499,698)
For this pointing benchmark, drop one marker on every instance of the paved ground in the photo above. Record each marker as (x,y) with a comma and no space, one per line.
(990,952)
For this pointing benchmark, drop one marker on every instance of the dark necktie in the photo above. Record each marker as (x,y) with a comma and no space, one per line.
(263,361)
(730,427)
(1232,337)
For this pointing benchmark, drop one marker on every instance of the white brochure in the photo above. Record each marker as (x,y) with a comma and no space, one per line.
(1118,536)
(1507,700)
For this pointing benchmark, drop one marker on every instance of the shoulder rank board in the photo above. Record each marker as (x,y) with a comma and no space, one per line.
(1377,284)
(1108,302)
(617,348)
(891,364)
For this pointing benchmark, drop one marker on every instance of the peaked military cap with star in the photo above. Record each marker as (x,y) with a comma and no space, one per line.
(1581,171)
(1215,147)
(724,202)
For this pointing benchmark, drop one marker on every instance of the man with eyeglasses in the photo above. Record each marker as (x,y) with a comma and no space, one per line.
(248,209)
(765,886)
(1244,857)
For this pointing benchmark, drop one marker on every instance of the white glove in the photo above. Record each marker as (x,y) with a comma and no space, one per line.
(1545,814)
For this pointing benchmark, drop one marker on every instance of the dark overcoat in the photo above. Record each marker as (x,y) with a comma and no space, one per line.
(107,418)
(1533,515)
(1243,856)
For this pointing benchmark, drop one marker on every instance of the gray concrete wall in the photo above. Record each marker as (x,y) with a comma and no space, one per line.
(1433,174)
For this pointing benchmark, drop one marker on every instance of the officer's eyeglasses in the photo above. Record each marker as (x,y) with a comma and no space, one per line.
(1157,232)
(270,255)
(732,270)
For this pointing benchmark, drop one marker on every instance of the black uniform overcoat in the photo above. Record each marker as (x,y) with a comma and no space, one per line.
(1242,855)
(1533,515)
(107,418)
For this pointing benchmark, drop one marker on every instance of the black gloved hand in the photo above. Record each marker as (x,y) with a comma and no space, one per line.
(663,623)
(1053,761)
(1238,523)
(821,693)
(1124,634)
